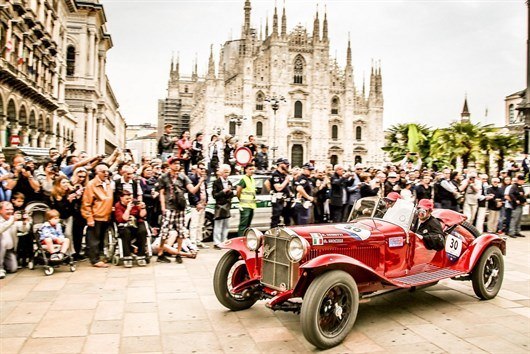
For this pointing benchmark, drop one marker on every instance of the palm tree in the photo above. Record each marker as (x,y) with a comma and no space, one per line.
(462,140)
(503,143)
(409,137)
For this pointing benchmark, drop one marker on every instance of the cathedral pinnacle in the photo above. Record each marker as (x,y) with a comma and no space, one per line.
(246,27)
(267,27)
(348,53)
(211,65)
(316,28)
(275,22)
(284,22)
(465,111)
(325,26)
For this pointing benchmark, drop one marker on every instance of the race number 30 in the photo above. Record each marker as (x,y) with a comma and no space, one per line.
(453,246)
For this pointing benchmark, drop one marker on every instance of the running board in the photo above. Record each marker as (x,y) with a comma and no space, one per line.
(426,277)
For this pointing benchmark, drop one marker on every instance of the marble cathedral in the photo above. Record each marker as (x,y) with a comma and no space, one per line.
(321,115)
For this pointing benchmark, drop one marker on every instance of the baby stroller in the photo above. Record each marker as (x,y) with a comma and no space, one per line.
(37,211)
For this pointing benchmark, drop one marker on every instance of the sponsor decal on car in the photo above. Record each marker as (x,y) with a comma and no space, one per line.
(317,239)
(395,242)
(354,231)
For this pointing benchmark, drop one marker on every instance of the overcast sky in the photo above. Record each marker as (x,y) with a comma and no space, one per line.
(432,52)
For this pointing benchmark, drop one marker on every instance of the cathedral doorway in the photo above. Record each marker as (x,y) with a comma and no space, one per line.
(334,160)
(297,155)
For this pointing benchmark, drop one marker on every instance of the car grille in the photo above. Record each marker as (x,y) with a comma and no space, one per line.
(277,269)
(368,255)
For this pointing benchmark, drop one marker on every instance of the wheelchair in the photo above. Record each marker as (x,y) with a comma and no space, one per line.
(114,245)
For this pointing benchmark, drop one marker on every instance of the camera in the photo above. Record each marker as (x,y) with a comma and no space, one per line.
(102,156)
(136,202)
(71,147)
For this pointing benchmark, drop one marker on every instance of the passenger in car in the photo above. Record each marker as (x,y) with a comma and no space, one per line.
(427,227)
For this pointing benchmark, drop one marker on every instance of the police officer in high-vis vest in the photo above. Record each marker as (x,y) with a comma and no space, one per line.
(304,198)
(281,193)
(246,193)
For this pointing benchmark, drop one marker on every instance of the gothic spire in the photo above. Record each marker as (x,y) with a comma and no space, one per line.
(221,68)
(246,27)
(316,28)
(284,22)
(465,111)
(194,75)
(267,27)
(325,26)
(348,53)
(275,22)
(211,65)
(172,64)
(177,69)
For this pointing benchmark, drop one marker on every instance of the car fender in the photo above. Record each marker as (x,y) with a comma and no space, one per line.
(362,273)
(250,257)
(477,247)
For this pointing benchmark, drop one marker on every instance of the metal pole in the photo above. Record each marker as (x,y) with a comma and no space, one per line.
(526,108)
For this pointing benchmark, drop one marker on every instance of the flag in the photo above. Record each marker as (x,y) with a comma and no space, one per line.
(20,61)
(9,46)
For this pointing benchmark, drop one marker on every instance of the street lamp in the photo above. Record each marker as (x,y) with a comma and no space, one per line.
(238,120)
(274,101)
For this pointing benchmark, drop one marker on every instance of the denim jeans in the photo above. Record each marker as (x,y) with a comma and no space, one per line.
(220,230)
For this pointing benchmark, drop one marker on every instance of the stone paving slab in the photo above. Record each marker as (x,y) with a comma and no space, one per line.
(171,308)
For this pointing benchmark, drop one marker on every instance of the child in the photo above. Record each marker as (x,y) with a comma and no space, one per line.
(25,244)
(51,233)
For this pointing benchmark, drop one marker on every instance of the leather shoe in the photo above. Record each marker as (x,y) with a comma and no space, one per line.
(100,265)
(519,235)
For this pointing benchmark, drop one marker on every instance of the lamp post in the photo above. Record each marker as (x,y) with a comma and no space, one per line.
(524,106)
(274,101)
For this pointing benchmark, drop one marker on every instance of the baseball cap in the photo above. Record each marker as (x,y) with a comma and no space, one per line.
(426,204)
(359,166)
(393,196)
(308,166)
(263,146)
(172,160)
(392,175)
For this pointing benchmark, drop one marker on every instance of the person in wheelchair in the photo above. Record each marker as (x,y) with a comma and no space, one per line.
(427,227)
(130,214)
(51,233)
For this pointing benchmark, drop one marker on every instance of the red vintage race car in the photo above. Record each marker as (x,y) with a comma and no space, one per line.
(322,271)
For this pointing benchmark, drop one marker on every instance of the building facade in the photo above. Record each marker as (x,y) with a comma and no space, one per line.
(320,114)
(43,81)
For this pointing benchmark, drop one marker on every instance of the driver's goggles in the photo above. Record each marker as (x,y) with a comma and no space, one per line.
(421,210)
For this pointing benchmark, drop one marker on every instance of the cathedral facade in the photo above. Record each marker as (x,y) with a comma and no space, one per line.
(283,88)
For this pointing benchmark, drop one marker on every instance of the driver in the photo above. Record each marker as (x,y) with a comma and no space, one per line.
(427,227)
(389,200)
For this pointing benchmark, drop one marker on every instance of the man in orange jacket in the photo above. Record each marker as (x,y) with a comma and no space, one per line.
(96,208)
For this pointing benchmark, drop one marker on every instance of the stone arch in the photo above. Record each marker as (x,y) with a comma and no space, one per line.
(11,111)
(23,116)
(41,125)
(49,126)
(32,120)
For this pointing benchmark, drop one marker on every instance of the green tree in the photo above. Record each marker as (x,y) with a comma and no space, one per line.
(409,137)
(503,144)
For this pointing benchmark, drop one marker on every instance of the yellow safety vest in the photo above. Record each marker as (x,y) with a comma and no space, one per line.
(248,194)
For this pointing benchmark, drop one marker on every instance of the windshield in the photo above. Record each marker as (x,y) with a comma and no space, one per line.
(400,213)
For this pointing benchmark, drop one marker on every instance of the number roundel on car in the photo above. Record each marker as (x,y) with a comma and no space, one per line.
(453,247)
(355,232)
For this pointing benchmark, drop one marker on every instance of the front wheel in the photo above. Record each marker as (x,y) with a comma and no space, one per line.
(488,274)
(329,309)
(230,272)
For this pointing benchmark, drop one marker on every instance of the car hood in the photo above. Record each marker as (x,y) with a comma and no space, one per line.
(323,234)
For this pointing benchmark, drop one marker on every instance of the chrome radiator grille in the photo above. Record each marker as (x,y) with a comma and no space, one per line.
(277,271)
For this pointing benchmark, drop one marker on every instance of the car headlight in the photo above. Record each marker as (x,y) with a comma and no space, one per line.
(253,238)
(296,249)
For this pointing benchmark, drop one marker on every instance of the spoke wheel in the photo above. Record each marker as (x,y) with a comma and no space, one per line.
(231,271)
(329,309)
(488,274)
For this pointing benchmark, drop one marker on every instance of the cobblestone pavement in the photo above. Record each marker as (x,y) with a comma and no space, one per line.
(171,308)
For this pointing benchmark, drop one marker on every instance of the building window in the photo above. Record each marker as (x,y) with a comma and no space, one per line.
(299,70)
(511,111)
(297,155)
(334,132)
(232,128)
(358,133)
(259,101)
(259,129)
(298,109)
(358,159)
(335,105)
(186,89)
(70,61)
(334,159)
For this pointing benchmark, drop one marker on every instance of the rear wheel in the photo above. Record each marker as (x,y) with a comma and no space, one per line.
(488,274)
(230,272)
(329,309)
